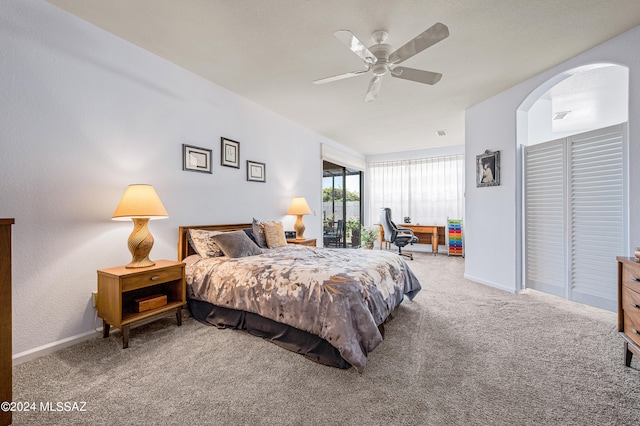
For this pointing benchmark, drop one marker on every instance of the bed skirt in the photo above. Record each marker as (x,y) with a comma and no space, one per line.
(293,339)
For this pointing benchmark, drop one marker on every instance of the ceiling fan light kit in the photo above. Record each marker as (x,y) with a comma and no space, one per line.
(380,59)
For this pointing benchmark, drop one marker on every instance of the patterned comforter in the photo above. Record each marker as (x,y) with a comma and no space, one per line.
(341,295)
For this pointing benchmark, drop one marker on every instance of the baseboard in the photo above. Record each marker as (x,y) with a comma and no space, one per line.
(49,348)
(489,284)
(30,354)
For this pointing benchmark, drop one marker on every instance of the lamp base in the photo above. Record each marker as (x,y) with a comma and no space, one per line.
(140,243)
(144,263)
(299,227)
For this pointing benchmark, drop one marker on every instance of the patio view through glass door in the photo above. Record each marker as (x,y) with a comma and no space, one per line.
(341,206)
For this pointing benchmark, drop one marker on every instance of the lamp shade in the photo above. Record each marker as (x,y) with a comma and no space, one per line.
(299,206)
(140,201)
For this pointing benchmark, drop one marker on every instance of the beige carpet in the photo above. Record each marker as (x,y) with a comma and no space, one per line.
(459,354)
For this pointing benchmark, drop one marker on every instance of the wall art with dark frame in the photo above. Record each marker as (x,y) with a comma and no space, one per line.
(256,171)
(230,153)
(196,159)
(488,169)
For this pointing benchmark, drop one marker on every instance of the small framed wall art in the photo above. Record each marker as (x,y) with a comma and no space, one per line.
(255,171)
(196,159)
(488,169)
(230,153)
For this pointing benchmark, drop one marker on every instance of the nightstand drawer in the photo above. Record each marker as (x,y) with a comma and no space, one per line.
(630,301)
(150,278)
(632,326)
(631,276)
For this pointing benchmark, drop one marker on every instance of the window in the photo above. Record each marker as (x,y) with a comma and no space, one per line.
(428,190)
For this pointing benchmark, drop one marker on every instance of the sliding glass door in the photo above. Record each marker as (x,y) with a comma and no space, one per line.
(341,206)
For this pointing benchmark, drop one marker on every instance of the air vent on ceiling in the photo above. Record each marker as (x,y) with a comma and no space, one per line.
(560,115)
(441,133)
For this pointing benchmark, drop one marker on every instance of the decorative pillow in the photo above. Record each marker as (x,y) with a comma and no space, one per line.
(274,234)
(258,233)
(249,233)
(202,243)
(236,244)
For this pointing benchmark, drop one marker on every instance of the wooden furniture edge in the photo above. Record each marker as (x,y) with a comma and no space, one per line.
(6,334)
(185,249)
(630,346)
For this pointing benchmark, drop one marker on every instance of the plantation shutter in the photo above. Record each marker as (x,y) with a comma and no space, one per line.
(544,217)
(575,218)
(597,215)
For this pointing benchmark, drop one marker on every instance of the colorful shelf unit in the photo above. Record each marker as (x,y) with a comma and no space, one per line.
(454,237)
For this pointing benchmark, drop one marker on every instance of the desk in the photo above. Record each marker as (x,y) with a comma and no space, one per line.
(423,232)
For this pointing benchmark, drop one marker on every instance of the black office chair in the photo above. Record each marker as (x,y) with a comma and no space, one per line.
(395,235)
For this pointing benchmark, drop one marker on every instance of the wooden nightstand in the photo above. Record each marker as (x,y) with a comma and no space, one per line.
(119,286)
(305,242)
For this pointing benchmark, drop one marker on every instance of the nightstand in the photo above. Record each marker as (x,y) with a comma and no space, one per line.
(119,287)
(305,242)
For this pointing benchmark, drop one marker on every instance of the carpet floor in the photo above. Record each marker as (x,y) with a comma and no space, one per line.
(460,353)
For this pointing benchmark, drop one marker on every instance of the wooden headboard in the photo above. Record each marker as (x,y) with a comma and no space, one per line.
(185,249)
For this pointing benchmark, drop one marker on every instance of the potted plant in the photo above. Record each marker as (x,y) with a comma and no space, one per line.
(368,236)
(353,227)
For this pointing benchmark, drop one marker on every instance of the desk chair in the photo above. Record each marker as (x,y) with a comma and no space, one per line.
(395,235)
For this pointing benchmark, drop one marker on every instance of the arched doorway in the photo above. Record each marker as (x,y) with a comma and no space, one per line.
(572,133)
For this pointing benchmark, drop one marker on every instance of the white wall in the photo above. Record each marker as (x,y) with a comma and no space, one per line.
(492,243)
(597,98)
(84,114)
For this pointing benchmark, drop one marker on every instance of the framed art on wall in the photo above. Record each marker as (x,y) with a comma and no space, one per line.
(230,153)
(488,169)
(255,171)
(196,159)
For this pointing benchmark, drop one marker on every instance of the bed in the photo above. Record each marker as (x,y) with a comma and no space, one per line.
(329,305)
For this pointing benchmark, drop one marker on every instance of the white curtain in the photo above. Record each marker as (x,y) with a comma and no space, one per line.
(428,190)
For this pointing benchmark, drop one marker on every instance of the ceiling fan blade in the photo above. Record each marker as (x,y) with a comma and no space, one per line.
(436,33)
(355,45)
(374,88)
(340,77)
(426,77)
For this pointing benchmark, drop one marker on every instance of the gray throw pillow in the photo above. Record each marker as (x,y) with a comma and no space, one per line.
(236,244)
(258,233)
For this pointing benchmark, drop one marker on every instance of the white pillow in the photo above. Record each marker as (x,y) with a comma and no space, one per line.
(203,244)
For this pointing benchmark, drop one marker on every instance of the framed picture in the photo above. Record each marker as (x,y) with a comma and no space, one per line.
(290,235)
(255,171)
(196,159)
(488,169)
(230,153)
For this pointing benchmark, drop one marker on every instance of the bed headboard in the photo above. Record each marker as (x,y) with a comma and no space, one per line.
(185,249)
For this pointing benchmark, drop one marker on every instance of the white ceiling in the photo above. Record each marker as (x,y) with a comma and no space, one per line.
(270,51)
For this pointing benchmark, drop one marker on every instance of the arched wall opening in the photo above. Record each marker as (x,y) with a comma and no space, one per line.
(576,101)
(569,105)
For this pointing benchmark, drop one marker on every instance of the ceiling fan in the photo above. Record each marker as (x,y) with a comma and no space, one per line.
(381,60)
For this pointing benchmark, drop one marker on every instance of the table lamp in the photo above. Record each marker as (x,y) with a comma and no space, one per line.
(299,207)
(140,203)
